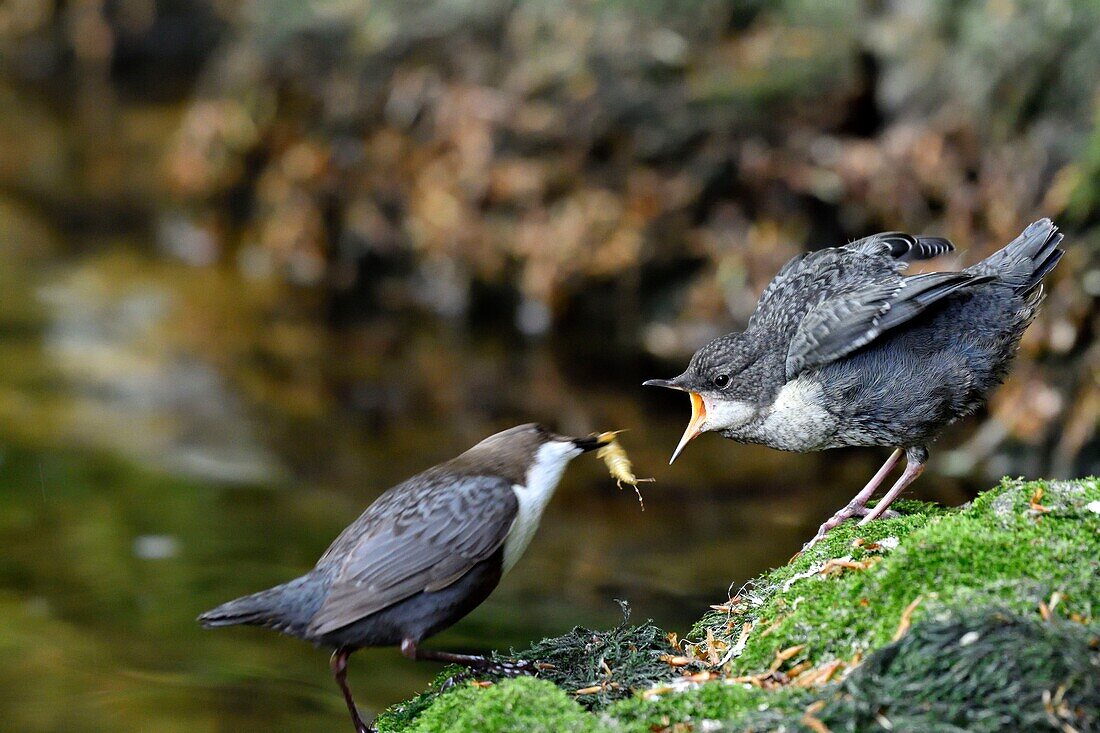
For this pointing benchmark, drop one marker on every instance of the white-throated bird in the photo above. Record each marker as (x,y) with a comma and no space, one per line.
(842,350)
(425,554)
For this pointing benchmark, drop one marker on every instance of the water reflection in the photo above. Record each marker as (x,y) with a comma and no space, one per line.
(173,437)
(134,391)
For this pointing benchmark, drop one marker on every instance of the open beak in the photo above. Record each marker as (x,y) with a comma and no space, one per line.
(698,411)
(695,426)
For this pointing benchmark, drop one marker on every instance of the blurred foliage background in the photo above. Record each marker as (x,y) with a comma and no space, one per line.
(261,260)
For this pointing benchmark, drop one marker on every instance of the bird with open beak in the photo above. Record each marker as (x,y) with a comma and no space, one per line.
(842,350)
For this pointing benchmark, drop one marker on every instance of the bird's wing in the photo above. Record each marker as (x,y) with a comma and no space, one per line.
(819,300)
(777,297)
(810,278)
(850,319)
(423,536)
(901,246)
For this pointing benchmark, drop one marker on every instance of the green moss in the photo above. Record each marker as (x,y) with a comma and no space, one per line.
(612,664)
(974,672)
(985,568)
(402,715)
(523,704)
(995,552)
(715,701)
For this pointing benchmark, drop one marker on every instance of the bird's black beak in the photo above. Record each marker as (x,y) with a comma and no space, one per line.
(592,442)
(666,383)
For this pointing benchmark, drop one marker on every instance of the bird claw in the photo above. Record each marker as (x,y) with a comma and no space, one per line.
(503,668)
(834,521)
(809,545)
(848,512)
(514,667)
(454,680)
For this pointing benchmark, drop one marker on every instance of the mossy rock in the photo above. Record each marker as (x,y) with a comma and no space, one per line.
(975,618)
(522,705)
(976,672)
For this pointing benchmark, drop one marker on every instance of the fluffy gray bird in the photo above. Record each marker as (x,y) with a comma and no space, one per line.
(425,554)
(843,350)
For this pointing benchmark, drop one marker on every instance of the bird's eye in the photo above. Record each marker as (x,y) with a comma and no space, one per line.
(721,381)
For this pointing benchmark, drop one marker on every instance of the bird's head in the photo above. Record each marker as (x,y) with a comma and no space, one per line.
(516,451)
(722,384)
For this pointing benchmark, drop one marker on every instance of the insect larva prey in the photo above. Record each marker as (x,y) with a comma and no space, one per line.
(618,465)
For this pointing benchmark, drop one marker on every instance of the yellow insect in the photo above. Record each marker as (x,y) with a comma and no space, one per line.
(614,457)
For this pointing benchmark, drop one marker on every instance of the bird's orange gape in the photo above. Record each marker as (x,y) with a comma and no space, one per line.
(695,425)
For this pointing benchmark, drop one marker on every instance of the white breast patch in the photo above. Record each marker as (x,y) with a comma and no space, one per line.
(542,480)
(797,420)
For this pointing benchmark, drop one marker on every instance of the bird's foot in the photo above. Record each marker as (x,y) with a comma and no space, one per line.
(834,521)
(848,512)
(455,679)
(514,667)
(478,666)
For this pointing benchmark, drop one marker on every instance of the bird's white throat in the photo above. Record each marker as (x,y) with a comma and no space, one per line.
(542,479)
(727,414)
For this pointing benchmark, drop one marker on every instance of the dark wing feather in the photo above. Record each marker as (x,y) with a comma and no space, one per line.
(830,302)
(810,278)
(841,324)
(426,535)
(786,281)
(902,246)
(838,325)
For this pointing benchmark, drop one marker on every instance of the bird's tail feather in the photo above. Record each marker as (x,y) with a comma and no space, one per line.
(1024,262)
(271,608)
(253,610)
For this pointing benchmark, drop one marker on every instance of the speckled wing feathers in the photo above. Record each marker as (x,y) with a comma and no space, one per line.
(828,303)
(840,325)
(786,281)
(436,529)
(902,246)
(808,279)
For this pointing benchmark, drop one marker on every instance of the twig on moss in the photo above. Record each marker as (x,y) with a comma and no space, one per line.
(840,564)
(819,675)
(739,646)
(810,720)
(1037,497)
(907,618)
(1046,608)
(784,654)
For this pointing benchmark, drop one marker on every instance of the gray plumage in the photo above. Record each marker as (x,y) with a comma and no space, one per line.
(844,350)
(421,557)
(392,574)
(419,537)
(896,358)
